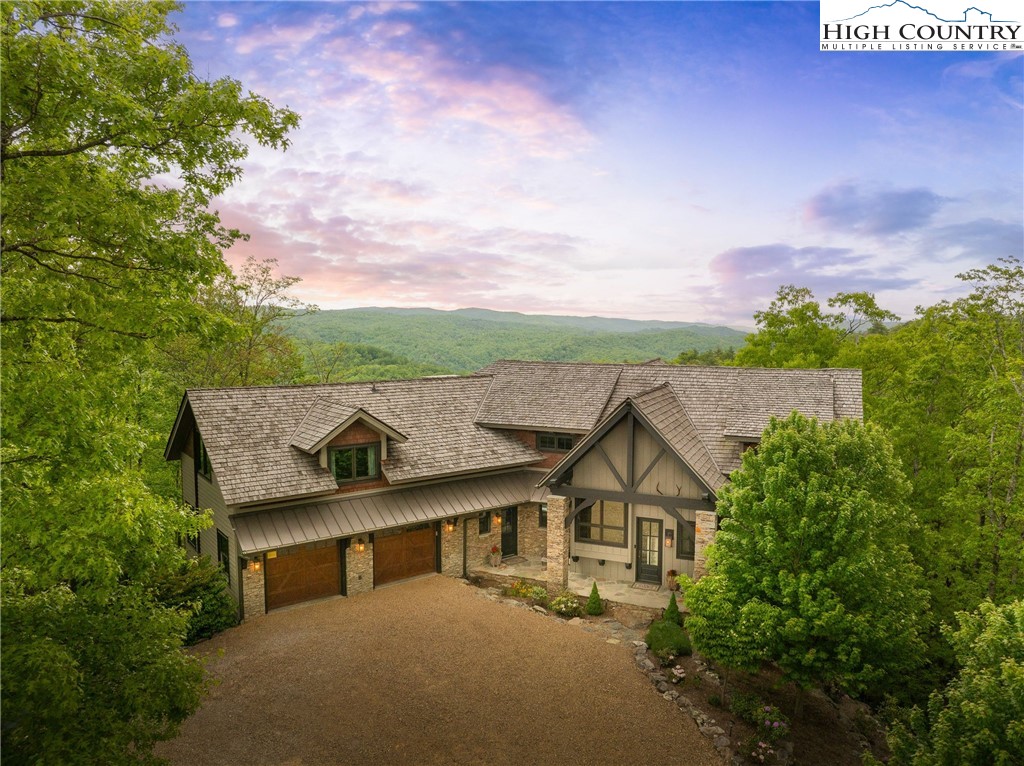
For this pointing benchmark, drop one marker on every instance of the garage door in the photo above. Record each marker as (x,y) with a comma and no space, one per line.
(303,573)
(407,554)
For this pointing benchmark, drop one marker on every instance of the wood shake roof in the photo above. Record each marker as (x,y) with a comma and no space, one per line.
(259,439)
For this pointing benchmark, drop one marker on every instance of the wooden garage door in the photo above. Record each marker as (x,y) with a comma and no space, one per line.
(303,573)
(407,554)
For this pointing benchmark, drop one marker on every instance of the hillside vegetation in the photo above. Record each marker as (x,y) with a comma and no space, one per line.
(468,339)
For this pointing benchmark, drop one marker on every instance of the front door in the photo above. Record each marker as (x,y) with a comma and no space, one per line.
(648,550)
(510,532)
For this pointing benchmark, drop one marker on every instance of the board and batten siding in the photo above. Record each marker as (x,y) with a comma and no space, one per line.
(668,478)
(210,497)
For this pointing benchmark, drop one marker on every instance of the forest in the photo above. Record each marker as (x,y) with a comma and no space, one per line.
(116,298)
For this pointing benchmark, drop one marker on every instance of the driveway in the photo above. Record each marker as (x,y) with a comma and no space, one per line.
(428,672)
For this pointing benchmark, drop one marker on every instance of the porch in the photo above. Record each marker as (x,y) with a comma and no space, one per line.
(616,591)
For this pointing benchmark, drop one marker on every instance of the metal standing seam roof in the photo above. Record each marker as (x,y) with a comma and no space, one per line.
(343,517)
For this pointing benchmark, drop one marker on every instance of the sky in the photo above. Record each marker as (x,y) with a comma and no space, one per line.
(669,160)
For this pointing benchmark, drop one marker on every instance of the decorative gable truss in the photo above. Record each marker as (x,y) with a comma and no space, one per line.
(646,452)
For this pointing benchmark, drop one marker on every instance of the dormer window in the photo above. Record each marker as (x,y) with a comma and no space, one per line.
(354,463)
(554,442)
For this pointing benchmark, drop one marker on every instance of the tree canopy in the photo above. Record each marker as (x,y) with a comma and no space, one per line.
(111,151)
(810,569)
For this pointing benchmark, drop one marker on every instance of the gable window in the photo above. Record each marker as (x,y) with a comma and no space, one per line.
(354,463)
(193,541)
(603,523)
(223,554)
(686,535)
(485,524)
(203,467)
(542,515)
(554,442)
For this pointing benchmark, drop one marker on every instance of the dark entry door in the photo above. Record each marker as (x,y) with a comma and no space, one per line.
(510,532)
(648,550)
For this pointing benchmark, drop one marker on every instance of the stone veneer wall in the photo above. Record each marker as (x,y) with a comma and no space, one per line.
(359,568)
(533,538)
(558,544)
(254,601)
(707,524)
(451,547)
(478,546)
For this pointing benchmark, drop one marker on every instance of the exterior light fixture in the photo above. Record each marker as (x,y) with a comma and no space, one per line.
(360,545)
(450,524)
(669,537)
(497,518)
(255,565)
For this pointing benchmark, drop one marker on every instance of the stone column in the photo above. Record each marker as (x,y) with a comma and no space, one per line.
(359,567)
(558,544)
(451,548)
(254,603)
(707,523)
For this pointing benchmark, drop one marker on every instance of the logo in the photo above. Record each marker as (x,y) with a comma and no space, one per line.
(929,25)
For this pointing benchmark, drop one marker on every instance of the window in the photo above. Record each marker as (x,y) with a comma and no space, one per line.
(603,523)
(223,555)
(203,467)
(686,540)
(542,515)
(552,442)
(354,463)
(485,523)
(193,540)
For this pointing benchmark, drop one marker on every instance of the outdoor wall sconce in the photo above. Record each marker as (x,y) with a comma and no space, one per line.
(575,559)
(629,565)
(255,565)
(450,524)
(360,545)
(497,518)
(600,562)
(669,537)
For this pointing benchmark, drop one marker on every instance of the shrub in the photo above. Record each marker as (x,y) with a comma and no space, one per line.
(667,639)
(594,605)
(200,588)
(523,589)
(772,726)
(672,613)
(538,595)
(566,604)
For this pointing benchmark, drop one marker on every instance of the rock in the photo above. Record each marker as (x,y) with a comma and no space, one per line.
(539,609)
(576,621)
(658,677)
(640,645)
(646,664)
(612,641)
(670,695)
(721,742)
(663,687)
(712,731)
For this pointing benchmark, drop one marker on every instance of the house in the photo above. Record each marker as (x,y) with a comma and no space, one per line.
(607,470)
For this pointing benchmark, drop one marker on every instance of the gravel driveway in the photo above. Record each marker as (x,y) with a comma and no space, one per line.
(428,672)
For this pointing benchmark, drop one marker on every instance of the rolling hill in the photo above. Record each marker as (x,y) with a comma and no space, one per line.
(468,339)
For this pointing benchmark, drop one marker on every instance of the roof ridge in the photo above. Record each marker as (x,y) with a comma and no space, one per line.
(340,384)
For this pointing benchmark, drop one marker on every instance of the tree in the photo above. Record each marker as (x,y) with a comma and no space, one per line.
(978,719)
(810,569)
(794,331)
(110,151)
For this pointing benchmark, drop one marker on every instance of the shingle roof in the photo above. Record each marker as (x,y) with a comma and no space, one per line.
(454,425)
(546,396)
(663,410)
(342,516)
(321,418)
(247,433)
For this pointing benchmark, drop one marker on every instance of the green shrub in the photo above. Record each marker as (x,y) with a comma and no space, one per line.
(200,588)
(594,605)
(538,595)
(667,639)
(566,604)
(672,613)
(772,726)
(518,589)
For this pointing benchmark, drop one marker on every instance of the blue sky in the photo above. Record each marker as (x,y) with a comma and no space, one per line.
(671,160)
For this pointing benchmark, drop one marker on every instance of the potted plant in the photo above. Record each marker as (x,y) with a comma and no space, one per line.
(495,555)
(673,583)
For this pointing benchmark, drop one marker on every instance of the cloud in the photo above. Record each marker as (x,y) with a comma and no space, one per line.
(981,240)
(750,276)
(878,212)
